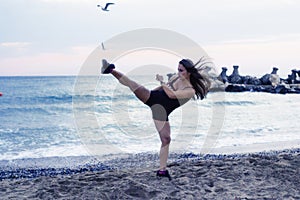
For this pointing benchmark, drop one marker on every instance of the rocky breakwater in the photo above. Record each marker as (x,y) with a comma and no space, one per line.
(270,83)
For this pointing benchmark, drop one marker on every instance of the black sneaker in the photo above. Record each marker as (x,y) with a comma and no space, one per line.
(163,173)
(106,67)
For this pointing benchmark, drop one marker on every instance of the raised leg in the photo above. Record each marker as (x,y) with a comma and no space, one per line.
(140,91)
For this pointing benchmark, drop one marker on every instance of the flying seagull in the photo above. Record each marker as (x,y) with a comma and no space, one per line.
(106,6)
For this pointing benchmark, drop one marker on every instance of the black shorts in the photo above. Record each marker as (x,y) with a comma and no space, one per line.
(161,105)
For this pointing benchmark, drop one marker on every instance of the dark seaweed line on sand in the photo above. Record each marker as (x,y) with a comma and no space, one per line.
(132,161)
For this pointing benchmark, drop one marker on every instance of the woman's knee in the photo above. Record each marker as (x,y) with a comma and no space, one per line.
(165,140)
(142,93)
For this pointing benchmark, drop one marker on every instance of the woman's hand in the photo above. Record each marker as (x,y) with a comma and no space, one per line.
(159,78)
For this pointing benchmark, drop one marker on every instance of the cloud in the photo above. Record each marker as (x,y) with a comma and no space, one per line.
(47,63)
(16,45)
(14,49)
(265,39)
(65,1)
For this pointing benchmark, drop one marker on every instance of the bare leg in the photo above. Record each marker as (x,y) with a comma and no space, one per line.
(140,91)
(163,128)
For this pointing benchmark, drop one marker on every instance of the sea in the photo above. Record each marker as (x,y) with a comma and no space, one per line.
(44,117)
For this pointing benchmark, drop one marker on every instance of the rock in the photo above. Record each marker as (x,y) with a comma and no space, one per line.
(275,69)
(292,78)
(265,79)
(298,72)
(281,89)
(274,79)
(235,88)
(295,80)
(249,80)
(235,78)
(223,77)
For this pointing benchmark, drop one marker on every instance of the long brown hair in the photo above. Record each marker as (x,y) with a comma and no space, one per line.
(199,80)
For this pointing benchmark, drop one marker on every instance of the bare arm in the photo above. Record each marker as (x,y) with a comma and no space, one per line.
(186,93)
(179,94)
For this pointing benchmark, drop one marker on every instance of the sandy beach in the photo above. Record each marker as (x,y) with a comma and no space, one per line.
(240,176)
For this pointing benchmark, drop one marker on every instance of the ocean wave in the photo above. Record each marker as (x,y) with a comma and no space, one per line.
(103,98)
(66,98)
(17,111)
(234,103)
(33,100)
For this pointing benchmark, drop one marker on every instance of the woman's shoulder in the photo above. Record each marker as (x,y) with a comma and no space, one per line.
(174,77)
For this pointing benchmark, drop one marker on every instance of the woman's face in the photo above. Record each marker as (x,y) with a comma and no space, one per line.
(182,73)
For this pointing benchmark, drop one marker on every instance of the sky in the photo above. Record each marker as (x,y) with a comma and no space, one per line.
(55,37)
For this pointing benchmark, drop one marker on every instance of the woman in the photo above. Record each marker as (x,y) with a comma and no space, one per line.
(164,99)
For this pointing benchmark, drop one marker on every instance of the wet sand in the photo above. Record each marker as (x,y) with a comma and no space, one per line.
(239,176)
